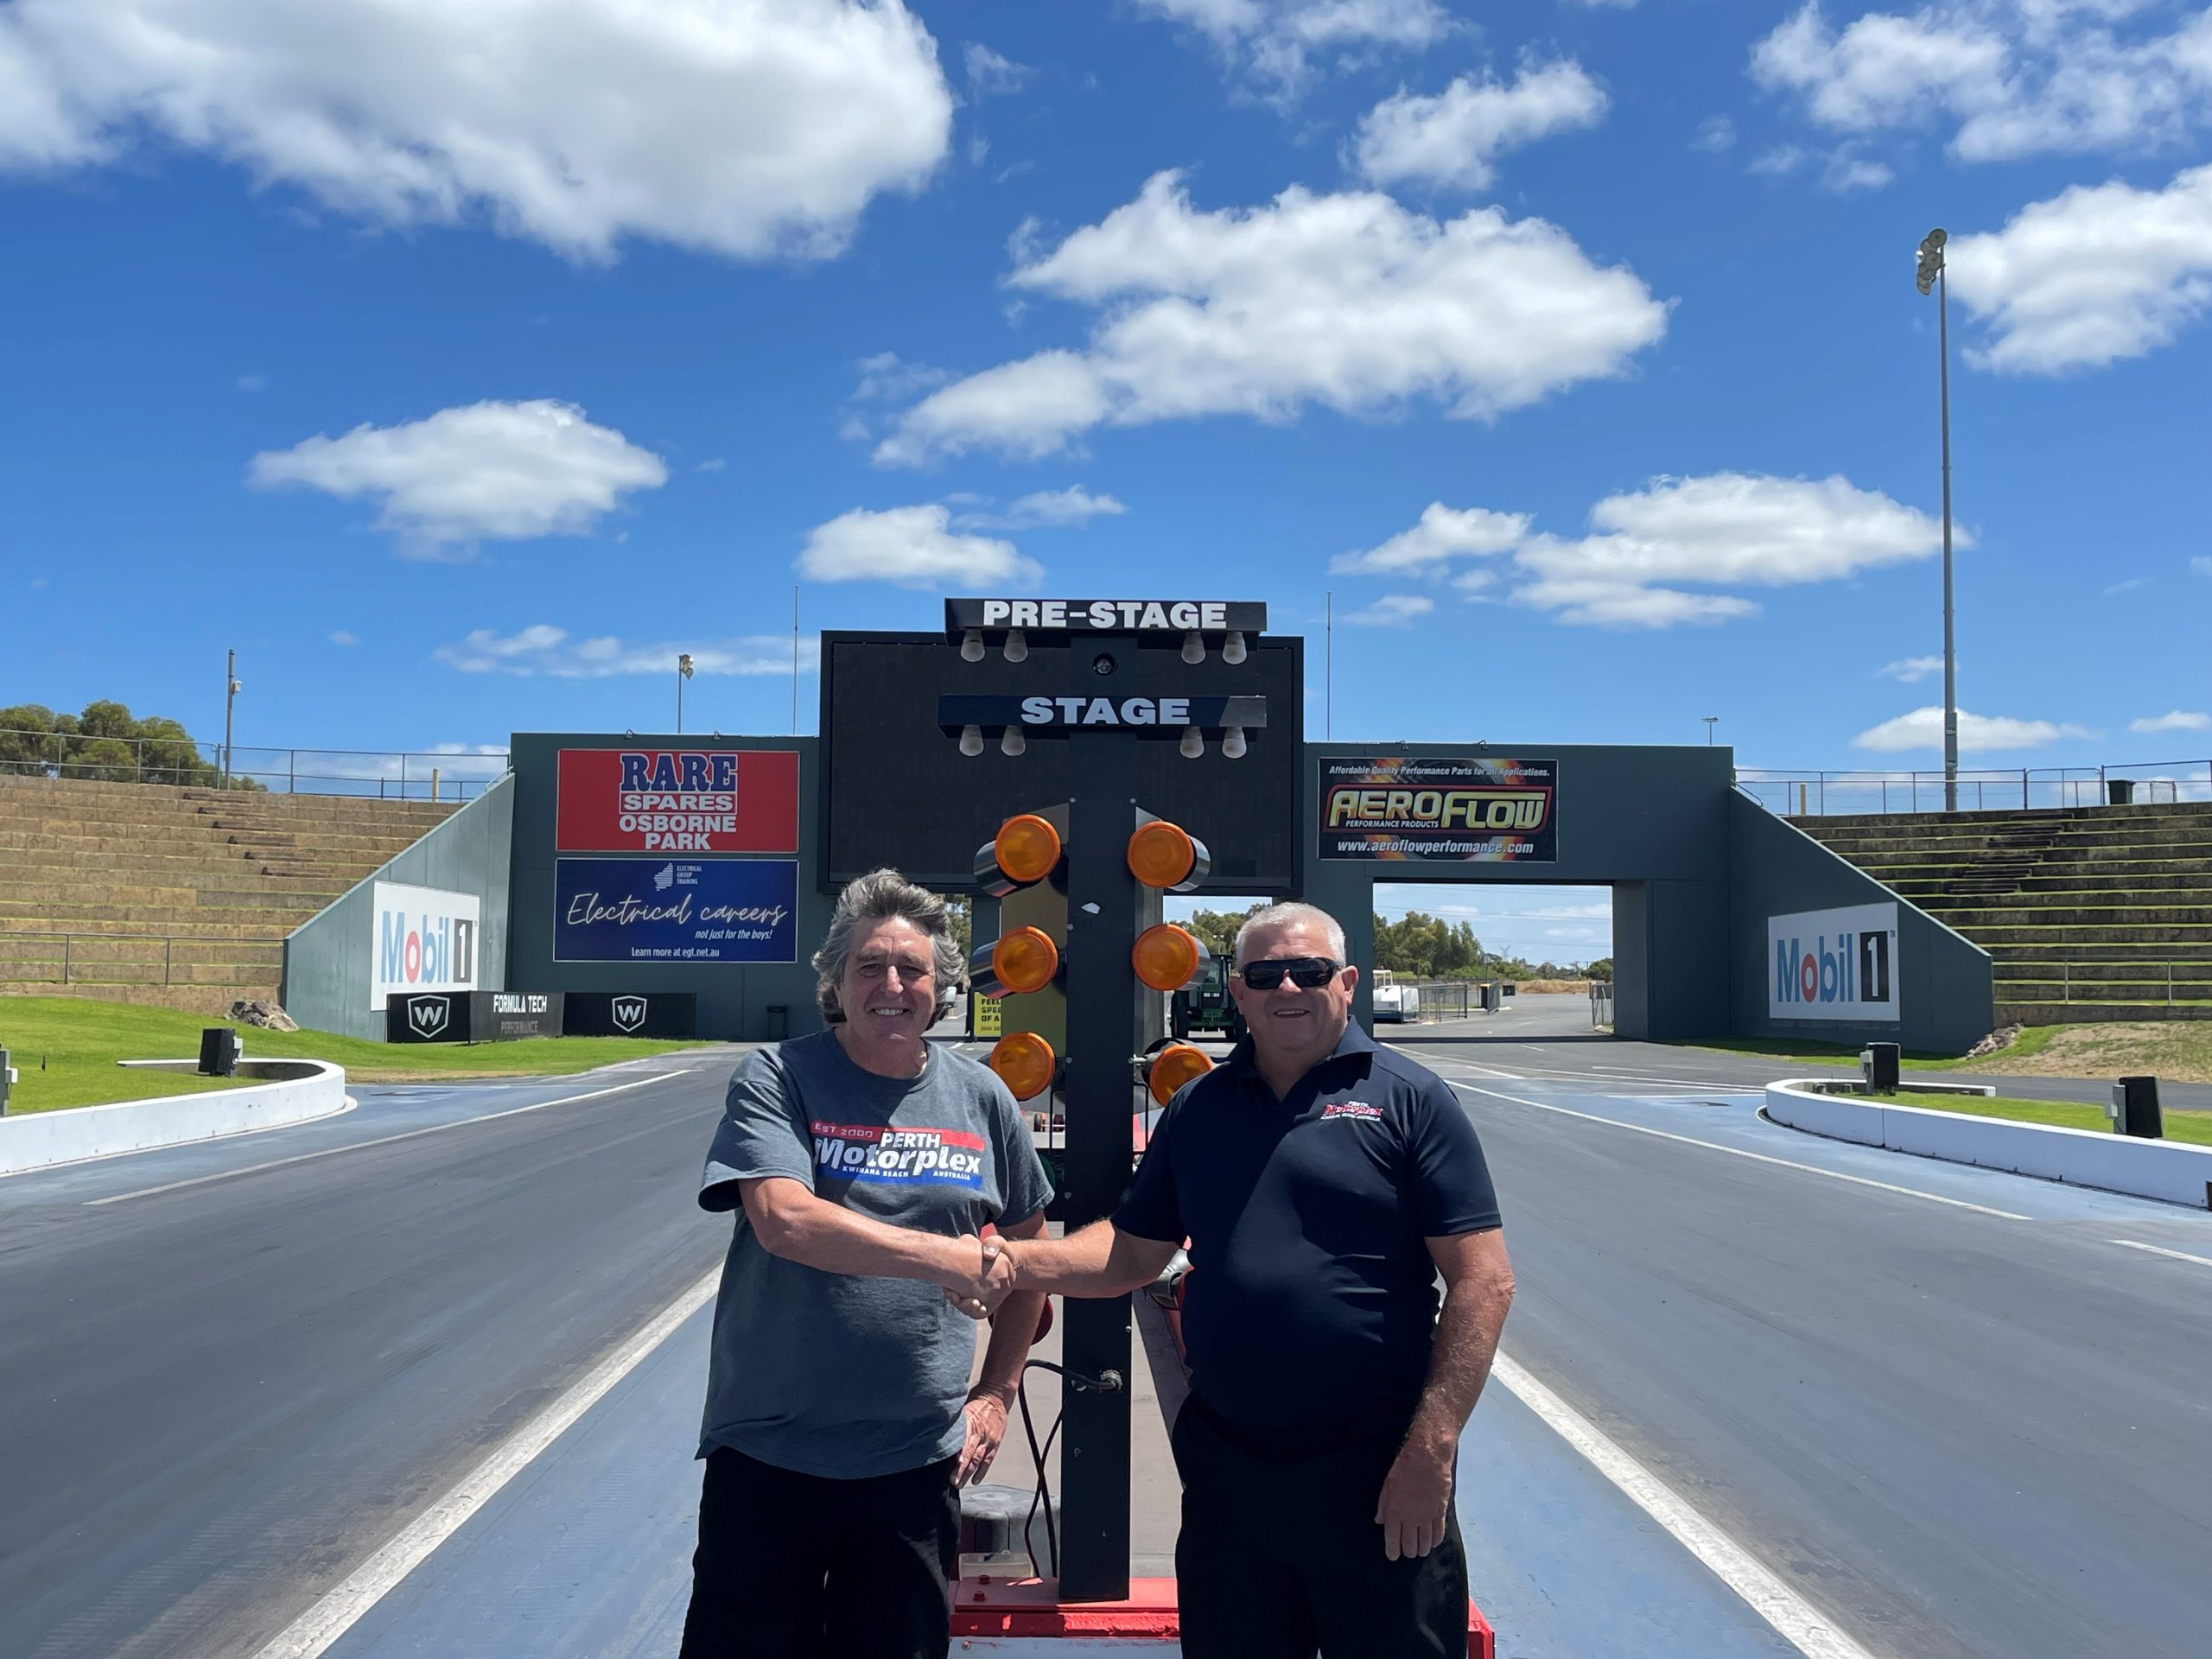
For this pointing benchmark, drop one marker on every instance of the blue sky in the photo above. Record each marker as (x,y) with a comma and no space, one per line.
(459,365)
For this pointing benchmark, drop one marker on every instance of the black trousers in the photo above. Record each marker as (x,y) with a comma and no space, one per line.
(1281,1557)
(801,1567)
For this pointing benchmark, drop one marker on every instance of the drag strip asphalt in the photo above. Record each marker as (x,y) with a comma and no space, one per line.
(1972,1427)
(225,1396)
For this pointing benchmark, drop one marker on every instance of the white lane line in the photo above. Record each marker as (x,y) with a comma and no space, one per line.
(1738,1152)
(1798,1622)
(381,1141)
(2160,1250)
(313,1631)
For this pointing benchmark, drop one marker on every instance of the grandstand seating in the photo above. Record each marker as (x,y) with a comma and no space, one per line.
(178,898)
(2088,913)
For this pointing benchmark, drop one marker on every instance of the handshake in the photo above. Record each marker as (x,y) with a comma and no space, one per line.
(979,1273)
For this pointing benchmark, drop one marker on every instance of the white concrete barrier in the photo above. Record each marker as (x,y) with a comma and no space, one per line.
(297,1090)
(2172,1170)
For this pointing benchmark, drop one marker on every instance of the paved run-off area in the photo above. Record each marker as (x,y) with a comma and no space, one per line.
(1950,1412)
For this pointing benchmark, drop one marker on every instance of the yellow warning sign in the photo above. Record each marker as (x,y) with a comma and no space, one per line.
(986,1017)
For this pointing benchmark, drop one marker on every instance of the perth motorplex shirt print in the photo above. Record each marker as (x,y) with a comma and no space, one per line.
(836,1374)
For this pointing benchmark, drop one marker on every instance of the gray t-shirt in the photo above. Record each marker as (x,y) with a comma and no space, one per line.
(835,1374)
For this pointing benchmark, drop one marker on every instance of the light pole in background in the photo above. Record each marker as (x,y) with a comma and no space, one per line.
(232,687)
(682,673)
(1708,720)
(1931,276)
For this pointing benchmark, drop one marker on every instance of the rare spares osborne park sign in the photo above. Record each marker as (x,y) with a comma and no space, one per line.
(647,800)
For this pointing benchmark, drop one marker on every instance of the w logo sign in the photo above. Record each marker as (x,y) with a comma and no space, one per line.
(427,1016)
(629,1013)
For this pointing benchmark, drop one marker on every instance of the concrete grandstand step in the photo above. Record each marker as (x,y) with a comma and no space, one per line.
(1976,917)
(2071,1014)
(2186,934)
(2007,956)
(121,920)
(2068,884)
(2147,814)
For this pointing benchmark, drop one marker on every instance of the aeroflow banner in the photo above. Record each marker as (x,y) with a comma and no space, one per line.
(1834,964)
(673,910)
(1452,809)
(677,801)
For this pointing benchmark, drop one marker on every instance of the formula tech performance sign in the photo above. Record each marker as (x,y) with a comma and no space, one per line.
(677,801)
(1455,809)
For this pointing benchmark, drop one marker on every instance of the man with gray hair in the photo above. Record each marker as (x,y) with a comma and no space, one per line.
(1323,1185)
(862,1166)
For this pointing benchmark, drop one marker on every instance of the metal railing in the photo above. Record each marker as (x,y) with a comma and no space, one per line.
(2018,976)
(1830,794)
(431,775)
(73,965)
(1601,1003)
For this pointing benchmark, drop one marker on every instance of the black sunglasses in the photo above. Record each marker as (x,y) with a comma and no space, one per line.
(1307,973)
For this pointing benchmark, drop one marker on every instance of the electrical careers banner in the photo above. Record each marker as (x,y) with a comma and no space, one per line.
(675,910)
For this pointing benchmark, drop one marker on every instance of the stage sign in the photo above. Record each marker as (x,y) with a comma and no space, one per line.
(677,801)
(1451,809)
(675,910)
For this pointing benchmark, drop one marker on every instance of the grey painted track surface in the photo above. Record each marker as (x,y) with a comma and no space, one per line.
(1954,1433)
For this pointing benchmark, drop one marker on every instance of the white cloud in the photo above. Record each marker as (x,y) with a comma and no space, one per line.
(2201,565)
(912,547)
(1392,611)
(544,649)
(1726,529)
(746,128)
(2013,78)
(1923,730)
(485,472)
(1778,163)
(712,464)
(342,637)
(1911,670)
(1282,45)
(2179,721)
(1848,170)
(1715,134)
(1347,300)
(991,75)
(2127,587)
(1442,534)
(2094,274)
(1045,509)
(1455,137)
(253,382)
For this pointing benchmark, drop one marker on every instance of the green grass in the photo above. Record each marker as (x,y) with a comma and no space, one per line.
(2033,1041)
(2196,1128)
(65,1050)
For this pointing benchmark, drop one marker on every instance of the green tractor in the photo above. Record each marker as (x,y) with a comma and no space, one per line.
(1206,1006)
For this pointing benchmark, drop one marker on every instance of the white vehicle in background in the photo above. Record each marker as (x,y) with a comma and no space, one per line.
(1393,1000)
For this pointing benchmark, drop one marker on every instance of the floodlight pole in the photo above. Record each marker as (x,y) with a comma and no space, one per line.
(1935,266)
(230,697)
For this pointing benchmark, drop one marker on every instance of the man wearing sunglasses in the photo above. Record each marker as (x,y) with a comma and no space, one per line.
(1323,1184)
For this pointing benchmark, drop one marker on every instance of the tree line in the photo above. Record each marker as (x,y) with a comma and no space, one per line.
(1418,945)
(107,743)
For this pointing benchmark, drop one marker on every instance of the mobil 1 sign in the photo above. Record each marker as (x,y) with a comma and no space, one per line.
(675,910)
(421,939)
(1834,964)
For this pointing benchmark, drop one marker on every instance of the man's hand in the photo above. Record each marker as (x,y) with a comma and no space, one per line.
(976,1290)
(985,1419)
(1416,1496)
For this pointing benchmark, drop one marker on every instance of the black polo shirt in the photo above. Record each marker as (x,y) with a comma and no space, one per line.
(1311,1303)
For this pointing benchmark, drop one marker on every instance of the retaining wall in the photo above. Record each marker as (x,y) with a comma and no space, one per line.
(296,1091)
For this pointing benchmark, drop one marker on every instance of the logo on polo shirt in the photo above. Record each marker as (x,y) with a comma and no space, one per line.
(870,1152)
(1351,1108)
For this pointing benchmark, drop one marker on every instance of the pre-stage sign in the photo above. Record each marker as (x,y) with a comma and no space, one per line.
(647,800)
(1834,964)
(675,910)
(1452,809)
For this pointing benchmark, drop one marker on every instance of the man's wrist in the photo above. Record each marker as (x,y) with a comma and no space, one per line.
(1001,1392)
(1430,1439)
